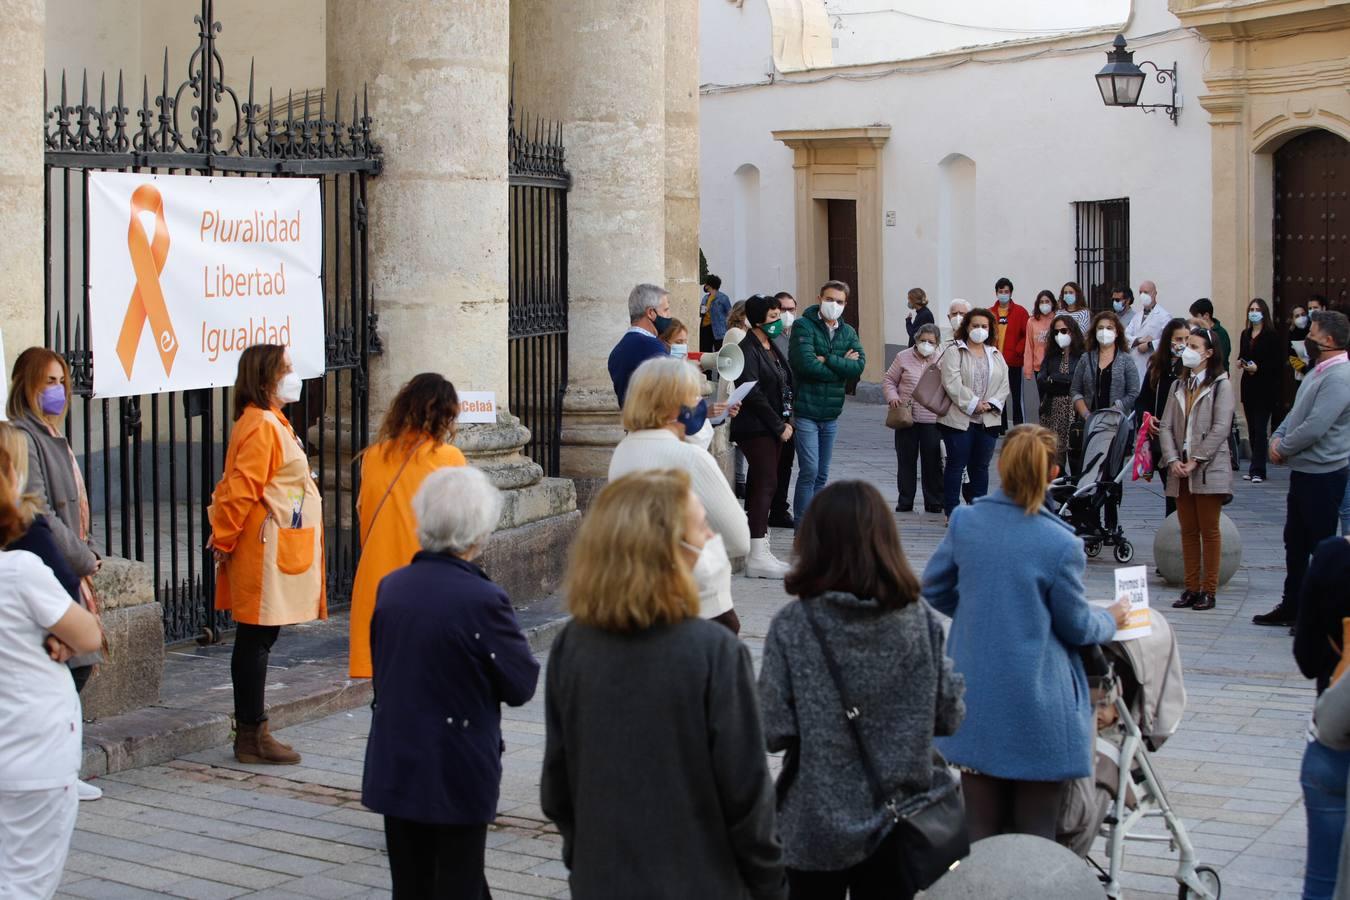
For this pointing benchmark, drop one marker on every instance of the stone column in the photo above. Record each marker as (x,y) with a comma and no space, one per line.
(682,160)
(598,66)
(22,53)
(439,91)
(1231,205)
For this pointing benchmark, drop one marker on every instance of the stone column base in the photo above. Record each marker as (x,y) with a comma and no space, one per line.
(133,621)
(591,429)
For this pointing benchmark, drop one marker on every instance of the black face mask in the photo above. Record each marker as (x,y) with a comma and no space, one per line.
(1315,349)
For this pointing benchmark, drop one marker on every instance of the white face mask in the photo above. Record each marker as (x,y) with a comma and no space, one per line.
(1300,322)
(1064,340)
(1190,357)
(1178,349)
(1147,299)
(679,351)
(712,565)
(787,318)
(831,310)
(1046,308)
(288,391)
(978,335)
(924,348)
(956,319)
(1106,336)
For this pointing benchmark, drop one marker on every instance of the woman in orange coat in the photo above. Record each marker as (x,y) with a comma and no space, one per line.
(267,533)
(413,442)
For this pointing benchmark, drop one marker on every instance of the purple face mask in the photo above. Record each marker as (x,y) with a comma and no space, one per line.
(53,399)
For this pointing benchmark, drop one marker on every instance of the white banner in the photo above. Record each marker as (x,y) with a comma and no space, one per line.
(187,272)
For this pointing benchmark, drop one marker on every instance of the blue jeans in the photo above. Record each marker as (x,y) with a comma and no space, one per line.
(969,450)
(1323,778)
(815,446)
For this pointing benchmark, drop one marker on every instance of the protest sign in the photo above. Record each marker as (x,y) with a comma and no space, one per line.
(477,408)
(187,272)
(1132,582)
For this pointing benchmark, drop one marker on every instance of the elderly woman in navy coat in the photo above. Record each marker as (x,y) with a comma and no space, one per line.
(1010,574)
(447,652)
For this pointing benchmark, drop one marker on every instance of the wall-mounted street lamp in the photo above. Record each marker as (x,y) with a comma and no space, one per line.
(1121,81)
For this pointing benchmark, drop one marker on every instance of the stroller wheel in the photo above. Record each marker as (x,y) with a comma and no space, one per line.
(1093,549)
(1124,552)
(1209,878)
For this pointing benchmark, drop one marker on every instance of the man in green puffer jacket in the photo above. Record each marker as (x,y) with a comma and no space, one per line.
(826,355)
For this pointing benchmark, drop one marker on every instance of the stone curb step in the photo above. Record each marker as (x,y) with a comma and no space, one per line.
(157,734)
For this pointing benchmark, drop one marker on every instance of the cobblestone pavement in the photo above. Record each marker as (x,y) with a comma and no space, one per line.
(207,827)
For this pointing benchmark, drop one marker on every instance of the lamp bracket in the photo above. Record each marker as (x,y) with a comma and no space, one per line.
(1163,76)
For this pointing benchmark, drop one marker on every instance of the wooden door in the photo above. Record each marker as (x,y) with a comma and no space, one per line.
(843,249)
(1312,222)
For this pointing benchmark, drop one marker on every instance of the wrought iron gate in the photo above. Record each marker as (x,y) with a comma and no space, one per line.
(537,329)
(151,462)
(1102,249)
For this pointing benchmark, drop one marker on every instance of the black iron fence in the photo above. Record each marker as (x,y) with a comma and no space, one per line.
(151,462)
(537,330)
(1102,248)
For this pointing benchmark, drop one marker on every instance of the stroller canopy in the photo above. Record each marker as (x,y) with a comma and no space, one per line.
(1151,678)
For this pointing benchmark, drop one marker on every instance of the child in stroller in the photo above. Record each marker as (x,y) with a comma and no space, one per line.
(1089,493)
(1140,697)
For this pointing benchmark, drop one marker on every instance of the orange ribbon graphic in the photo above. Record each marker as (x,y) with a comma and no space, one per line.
(147,300)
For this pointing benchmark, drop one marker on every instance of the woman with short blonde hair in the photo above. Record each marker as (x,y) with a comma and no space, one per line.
(661,411)
(653,736)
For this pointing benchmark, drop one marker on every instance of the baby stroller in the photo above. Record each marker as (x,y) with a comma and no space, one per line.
(1140,697)
(1091,489)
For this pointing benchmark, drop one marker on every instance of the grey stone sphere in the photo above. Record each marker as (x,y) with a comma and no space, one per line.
(1018,867)
(1167,550)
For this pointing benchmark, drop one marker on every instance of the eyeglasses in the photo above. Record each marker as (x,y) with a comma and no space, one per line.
(1061,331)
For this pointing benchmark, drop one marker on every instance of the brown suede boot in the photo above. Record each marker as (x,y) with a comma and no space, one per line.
(255,744)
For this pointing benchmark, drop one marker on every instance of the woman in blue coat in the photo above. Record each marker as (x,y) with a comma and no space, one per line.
(447,652)
(1019,615)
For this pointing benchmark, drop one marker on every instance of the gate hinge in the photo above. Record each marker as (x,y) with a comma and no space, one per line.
(361,216)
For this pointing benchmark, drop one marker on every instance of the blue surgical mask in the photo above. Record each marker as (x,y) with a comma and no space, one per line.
(1070,299)
(692,418)
(1118,305)
(1254,316)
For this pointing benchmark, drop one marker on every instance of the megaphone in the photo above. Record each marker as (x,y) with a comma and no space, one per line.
(729,362)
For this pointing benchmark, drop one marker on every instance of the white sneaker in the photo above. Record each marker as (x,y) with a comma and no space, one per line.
(1257,479)
(86,791)
(761,563)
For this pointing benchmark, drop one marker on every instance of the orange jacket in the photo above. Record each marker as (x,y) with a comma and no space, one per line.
(267,514)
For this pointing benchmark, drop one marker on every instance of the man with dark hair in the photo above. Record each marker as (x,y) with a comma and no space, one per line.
(1011,341)
(1122,301)
(780,514)
(712,315)
(826,356)
(1203,309)
(1314,441)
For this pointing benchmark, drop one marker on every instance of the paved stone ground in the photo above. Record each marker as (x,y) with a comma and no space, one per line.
(204,826)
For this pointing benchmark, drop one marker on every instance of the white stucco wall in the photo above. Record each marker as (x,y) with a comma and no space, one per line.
(1039,139)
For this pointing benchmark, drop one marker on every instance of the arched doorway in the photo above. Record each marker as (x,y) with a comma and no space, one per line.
(1311,236)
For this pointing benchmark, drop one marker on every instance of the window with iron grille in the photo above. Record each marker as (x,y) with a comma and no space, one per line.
(1101,248)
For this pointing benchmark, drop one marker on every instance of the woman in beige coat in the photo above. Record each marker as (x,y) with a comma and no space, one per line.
(975,377)
(1194,438)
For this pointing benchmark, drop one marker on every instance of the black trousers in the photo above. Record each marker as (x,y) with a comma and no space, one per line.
(1001,806)
(706,342)
(921,444)
(1258,430)
(1312,514)
(1169,503)
(1014,397)
(762,454)
(779,506)
(248,670)
(871,879)
(436,861)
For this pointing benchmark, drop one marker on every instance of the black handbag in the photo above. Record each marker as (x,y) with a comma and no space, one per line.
(930,827)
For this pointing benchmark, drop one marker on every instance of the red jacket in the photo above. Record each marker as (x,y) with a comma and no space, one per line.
(1015,331)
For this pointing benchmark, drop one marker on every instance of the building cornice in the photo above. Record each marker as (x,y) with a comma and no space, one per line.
(1231,20)
(866,136)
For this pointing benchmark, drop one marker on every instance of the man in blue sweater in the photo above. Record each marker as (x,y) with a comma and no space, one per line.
(1314,441)
(648,316)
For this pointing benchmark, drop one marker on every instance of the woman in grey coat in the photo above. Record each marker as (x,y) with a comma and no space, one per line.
(654,765)
(1106,376)
(854,584)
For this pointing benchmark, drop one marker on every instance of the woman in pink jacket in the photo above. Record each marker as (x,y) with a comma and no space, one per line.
(1038,332)
(920,443)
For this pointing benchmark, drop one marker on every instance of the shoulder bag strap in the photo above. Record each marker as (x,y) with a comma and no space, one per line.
(851,710)
(387,491)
